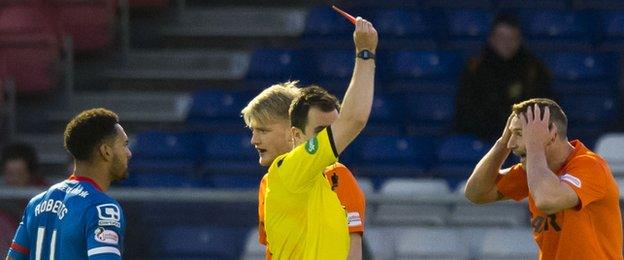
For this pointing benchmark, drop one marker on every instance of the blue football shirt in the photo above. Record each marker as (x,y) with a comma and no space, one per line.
(73,219)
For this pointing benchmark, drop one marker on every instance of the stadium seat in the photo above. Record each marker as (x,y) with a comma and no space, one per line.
(611,148)
(200,241)
(421,71)
(581,65)
(331,69)
(556,29)
(381,241)
(89,22)
(430,243)
(248,181)
(253,249)
(231,154)
(165,146)
(161,159)
(543,4)
(426,212)
(324,27)
(597,110)
(401,28)
(512,244)
(610,26)
(468,28)
(272,65)
(387,115)
(430,114)
(457,156)
(366,185)
(498,214)
(217,110)
(30,45)
(392,156)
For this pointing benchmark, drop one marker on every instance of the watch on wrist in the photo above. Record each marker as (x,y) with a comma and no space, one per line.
(365,55)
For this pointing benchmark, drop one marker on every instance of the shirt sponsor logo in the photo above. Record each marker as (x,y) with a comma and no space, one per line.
(571,179)
(106,236)
(311,145)
(354,219)
(109,212)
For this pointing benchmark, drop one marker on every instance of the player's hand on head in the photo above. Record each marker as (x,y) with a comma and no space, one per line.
(365,35)
(506,132)
(535,126)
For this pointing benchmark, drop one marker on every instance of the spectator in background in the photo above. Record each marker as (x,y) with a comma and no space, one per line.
(504,74)
(20,166)
(19,169)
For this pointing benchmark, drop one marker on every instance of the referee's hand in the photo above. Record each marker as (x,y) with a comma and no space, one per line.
(364,36)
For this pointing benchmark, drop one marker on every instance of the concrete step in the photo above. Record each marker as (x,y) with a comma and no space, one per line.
(182,65)
(141,107)
(237,21)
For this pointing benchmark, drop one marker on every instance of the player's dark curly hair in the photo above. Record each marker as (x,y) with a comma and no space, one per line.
(21,151)
(85,132)
(312,96)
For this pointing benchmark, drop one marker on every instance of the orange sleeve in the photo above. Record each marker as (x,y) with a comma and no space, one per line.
(261,192)
(513,183)
(587,177)
(350,195)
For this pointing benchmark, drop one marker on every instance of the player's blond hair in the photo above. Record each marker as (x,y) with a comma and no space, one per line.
(271,104)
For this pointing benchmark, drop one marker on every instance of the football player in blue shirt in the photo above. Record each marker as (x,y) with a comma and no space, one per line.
(75,219)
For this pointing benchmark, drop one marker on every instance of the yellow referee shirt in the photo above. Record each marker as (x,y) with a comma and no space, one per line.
(303,216)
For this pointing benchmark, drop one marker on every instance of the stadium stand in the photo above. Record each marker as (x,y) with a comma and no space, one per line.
(194,173)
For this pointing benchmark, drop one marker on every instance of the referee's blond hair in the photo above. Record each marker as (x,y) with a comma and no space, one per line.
(271,104)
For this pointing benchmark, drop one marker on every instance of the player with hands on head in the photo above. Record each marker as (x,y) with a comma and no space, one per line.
(573,197)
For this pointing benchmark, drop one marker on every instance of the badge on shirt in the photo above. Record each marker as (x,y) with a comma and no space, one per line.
(106,236)
(311,145)
(571,179)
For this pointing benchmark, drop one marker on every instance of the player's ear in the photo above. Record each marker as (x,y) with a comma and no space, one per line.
(106,151)
(296,133)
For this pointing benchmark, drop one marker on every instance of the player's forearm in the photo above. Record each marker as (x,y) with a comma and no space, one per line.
(483,178)
(544,186)
(355,249)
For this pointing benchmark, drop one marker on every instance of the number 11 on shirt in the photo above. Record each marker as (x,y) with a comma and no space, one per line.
(40,236)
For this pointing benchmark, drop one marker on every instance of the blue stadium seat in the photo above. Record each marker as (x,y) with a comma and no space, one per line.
(393,156)
(199,241)
(216,109)
(590,109)
(160,157)
(583,73)
(581,65)
(422,71)
(325,27)
(556,29)
(468,28)
(387,115)
(331,69)
(164,180)
(230,154)
(274,65)
(430,114)
(164,145)
(235,181)
(457,155)
(406,28)
(610,26)
(543,4)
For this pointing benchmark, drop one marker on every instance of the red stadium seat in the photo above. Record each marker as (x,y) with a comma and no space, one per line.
(30,45)
(90,23)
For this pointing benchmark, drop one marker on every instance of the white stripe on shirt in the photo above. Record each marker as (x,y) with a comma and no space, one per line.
(103,250)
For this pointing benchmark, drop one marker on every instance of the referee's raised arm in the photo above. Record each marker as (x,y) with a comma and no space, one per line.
(358,99)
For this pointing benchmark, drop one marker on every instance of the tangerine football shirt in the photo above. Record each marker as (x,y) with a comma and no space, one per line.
(592,229)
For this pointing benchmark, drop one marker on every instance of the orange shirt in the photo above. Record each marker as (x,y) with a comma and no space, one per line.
(346,187)
(592,229)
